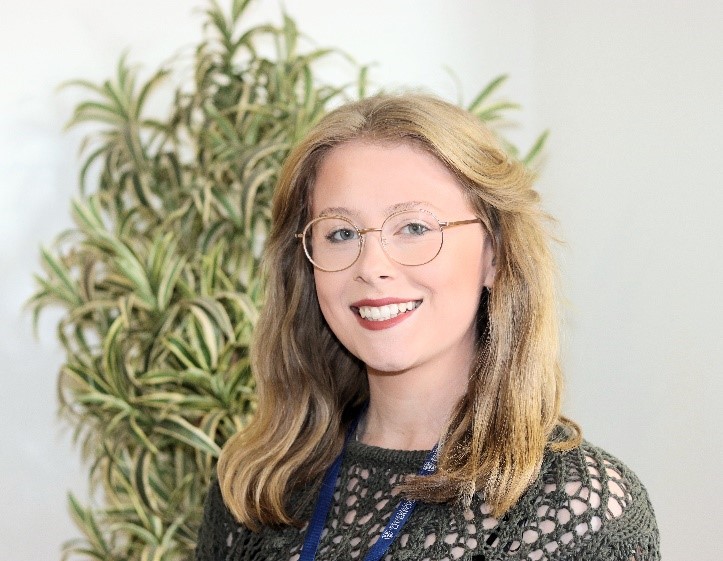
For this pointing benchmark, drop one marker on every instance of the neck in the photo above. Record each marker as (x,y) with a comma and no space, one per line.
(409,411)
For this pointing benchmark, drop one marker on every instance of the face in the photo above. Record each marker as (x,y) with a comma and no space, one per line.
(431,308)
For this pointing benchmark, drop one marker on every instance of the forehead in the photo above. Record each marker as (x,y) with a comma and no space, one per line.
(369,179)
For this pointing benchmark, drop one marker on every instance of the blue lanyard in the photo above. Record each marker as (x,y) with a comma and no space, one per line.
(399,517)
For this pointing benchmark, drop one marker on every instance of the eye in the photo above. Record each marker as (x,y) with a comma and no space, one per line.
(413,229)
(341,235)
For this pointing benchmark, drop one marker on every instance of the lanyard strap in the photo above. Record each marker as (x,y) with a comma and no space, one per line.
(400,515)
(390,532)
(323,503)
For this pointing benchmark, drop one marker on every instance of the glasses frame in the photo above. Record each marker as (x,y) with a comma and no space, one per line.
(363,231)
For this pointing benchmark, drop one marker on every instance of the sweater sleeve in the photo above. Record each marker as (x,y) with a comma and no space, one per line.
(218,526)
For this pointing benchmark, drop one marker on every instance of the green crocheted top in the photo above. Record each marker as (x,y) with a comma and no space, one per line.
(585,505)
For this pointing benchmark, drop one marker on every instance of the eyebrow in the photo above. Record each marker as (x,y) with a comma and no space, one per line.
(345,211)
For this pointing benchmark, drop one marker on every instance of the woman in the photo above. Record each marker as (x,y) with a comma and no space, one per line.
(407,364)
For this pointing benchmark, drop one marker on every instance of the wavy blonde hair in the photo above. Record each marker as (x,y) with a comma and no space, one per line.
(310,387)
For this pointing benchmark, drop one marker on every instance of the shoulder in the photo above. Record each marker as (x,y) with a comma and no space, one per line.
(221,536)
(585,505)
(218,527)
(215,510)
(586,496)
(592,479)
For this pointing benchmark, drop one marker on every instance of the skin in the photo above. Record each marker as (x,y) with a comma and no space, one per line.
(417,363)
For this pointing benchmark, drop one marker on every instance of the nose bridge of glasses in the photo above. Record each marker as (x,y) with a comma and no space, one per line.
(364,231)
(365,249)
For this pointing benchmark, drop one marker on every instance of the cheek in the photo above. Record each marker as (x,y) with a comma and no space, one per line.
(459,284)
(327,293)
(466,267)
(459,296)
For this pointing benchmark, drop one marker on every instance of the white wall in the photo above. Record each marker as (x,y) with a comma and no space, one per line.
(631,93)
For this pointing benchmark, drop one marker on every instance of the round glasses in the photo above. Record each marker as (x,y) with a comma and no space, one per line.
(409,237)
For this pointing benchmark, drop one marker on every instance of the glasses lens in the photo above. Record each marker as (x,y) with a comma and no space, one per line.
(412,237)
(332,243)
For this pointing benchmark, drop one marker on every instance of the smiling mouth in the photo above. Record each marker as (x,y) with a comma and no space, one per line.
(388,311)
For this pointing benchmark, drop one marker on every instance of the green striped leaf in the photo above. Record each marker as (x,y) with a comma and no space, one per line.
(86,522)
(480,99)
(181,430)
(65,289)
(215,313)
(181,350)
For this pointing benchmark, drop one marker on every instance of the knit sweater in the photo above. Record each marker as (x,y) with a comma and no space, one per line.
(585,505)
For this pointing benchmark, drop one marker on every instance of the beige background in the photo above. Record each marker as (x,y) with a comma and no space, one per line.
(632,93)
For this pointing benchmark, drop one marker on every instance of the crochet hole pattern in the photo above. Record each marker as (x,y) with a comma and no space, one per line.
(567,516)
(584,505)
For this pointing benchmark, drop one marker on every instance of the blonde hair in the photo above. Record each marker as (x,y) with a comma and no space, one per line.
(310,387)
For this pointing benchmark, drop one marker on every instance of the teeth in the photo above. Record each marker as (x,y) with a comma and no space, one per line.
(389,311)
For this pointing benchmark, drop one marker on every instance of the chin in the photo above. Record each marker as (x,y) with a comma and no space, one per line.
(387,366)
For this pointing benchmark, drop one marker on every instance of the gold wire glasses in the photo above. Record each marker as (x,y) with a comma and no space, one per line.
(409,237)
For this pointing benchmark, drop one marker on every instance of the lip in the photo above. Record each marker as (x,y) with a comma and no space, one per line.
(377,302)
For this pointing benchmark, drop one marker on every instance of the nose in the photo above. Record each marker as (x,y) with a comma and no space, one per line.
(373,262)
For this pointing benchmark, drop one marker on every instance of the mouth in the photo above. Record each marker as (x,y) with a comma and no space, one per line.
(387,311)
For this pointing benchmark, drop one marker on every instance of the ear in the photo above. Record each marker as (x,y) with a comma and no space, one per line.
(489,258)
